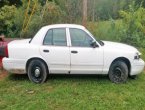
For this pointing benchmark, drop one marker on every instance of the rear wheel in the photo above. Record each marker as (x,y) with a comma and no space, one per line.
(118,72)
(37,71)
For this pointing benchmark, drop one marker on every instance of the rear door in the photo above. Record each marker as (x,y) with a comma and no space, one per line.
(55,50)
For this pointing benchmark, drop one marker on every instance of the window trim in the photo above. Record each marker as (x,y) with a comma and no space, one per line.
(87,32)
(52,37)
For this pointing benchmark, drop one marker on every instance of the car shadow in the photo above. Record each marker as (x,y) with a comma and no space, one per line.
(18,77)
(62,77)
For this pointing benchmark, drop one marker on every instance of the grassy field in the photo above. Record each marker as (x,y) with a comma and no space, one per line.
(65,92)
(72,93)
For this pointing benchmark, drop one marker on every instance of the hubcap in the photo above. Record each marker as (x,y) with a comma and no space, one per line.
(37,72)
(118,72)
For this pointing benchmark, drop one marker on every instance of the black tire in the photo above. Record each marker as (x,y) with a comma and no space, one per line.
(118,72)
(37,71)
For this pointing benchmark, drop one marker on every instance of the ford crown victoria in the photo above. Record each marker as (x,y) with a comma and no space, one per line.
(71,49)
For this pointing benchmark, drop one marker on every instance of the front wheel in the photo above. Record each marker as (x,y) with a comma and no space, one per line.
(37,71)
(118,72)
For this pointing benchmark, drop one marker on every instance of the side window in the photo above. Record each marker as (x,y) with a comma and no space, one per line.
(80,38)
(59,37)
(48,38)
(56,37)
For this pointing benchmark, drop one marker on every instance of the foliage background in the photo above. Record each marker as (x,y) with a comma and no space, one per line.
(117,20)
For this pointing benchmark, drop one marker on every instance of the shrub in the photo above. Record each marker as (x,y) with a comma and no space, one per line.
(133,26)
(105,30)
(7,14)
(48,14)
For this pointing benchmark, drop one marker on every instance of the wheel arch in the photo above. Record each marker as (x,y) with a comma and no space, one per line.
(125,60)
(36,58)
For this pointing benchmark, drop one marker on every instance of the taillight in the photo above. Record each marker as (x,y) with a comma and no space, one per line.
(6,51)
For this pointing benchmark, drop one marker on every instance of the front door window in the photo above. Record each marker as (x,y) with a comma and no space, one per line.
(80,38)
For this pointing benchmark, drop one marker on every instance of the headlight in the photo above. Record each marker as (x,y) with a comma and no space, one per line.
(137,56)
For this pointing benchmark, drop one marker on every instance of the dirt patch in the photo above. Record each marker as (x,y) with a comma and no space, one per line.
(3,74)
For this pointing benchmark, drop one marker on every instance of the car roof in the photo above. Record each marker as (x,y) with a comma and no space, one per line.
(64,26)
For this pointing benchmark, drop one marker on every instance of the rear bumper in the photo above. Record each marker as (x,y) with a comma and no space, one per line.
(16,66)
(137,67)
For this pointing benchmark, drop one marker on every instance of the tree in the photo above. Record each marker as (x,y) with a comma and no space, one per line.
(133,26)
(85,12)
(7,14)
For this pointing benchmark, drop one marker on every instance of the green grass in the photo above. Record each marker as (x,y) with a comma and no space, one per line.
(62,92)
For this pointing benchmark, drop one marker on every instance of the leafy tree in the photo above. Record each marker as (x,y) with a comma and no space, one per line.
(85,7)
(48,13)
(7,14)
(133,31)
(51,14)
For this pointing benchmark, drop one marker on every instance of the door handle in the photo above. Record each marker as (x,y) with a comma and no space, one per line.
(46,51)
(75,52)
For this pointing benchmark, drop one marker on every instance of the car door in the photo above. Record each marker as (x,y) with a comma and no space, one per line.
(84,58)
(55,50)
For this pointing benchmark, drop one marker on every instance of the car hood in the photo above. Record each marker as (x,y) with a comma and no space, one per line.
(119,46)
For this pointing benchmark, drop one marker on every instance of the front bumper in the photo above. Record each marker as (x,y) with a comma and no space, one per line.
(137,67)
(16,66)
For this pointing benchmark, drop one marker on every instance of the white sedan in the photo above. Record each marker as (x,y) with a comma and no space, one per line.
(71,49)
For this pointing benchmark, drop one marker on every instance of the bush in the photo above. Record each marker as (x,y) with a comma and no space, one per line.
(12,18)
(7,14)
(105,30)
(130,29)
(133,26)
(48,14)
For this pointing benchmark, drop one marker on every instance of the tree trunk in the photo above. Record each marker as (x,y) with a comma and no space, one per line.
(84,12)
(93,13)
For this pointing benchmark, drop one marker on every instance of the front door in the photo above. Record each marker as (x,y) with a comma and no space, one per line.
(84,58)
(55,51)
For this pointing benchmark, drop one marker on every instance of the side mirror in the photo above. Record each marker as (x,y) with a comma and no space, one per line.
(94,44)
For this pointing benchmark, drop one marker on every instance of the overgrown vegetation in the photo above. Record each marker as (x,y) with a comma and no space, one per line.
(129,29)
(7,14)
(117,20)
(133,29)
